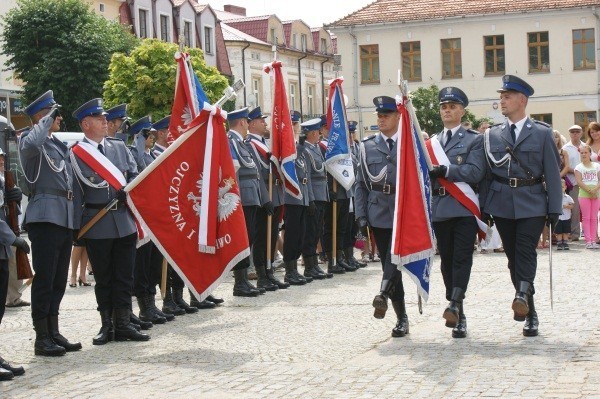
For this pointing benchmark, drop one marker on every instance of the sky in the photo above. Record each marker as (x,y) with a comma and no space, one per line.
(314,12)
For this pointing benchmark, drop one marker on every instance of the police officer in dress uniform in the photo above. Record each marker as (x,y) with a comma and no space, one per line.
(7,238)
(375,203)
(295,220)
(252,191)
(49,219)
(522,191)
(313,157)
(118,122)
(454,225)
(257,130)
(111,241)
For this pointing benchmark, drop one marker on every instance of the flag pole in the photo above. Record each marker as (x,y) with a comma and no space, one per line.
(165,271)
(270,217)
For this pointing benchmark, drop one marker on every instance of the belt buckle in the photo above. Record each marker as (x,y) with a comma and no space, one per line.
(114,207)
(387,189)
(513,182)
(69,195)
(442,191)
(304,180)
(276,182)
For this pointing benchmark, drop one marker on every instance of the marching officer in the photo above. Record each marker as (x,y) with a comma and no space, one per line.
(375,204)
(255,140)
(253,195)
(461,159)
(315,163)
(111,241)
(49,219)
(522,191)
(118,122)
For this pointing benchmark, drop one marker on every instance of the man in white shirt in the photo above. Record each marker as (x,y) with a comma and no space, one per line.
(572,148)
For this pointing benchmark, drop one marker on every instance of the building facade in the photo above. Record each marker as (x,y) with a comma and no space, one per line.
(471,44)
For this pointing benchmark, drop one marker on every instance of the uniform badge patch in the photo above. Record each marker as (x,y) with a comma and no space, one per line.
(459,160)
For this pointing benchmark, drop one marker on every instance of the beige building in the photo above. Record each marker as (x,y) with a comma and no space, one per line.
(471,44)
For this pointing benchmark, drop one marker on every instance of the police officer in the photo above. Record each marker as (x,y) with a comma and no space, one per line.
(257,144)
(375,204)
(253,195)
(295,220)
(50,220)
(313,158)
(118,122)
(454,225)
(522,191)
(111,241)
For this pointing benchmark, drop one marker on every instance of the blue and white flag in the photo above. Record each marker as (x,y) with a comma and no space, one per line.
(338,159)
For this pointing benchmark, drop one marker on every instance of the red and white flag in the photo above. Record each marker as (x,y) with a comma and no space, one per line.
(283,146)
(185,103)
(189,202)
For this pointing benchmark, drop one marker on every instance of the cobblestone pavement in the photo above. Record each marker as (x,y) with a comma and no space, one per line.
(321,341)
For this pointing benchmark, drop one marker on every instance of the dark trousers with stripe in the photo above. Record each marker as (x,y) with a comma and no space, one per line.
(250,218)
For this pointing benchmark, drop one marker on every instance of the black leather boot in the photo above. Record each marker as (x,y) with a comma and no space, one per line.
(124,331)
(107,331)
(291,273)
(342,262)
(519,305)
(331,268)
(530,329)
(169,305)
(317,268)
(151,304)
(58,338)
(16,371)
(138,323)
(6,375)
(146,312)
(271,276)
(460,331)
(250,285)
(240,288)
(263,281)
(310,268)
(401,328)
(205,304)
(380,300)
(178,298)
(214,299)
(44,344)
(452,311)
(352,261)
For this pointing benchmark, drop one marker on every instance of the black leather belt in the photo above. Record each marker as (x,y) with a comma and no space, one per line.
(116,206)
(255,177)
(318,178)
(385,188)
(516,182)
(439,192)
(53,191)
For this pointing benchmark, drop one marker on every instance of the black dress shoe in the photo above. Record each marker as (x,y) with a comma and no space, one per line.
(460,331)
(205,304)
(216,300)
(530,329)
(6,375)
(15,370)
(401,328)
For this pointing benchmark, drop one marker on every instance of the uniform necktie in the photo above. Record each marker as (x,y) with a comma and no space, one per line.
(263,140)
(513,133)
(101,149)
(448,137)
(390,143)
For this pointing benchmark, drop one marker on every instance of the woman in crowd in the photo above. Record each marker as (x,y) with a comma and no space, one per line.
(594,140)
(586,175)
(79,257)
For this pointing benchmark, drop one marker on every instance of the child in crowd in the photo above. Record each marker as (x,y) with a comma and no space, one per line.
(586,175)
(563,227)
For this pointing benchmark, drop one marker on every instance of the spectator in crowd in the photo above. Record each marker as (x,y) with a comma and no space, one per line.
(79,258)
(483,126)
(563,227)
(586,176)
(594,140)
(572,148)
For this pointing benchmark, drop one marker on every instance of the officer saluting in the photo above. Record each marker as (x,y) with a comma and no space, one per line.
(375,202)
(50,220)
(111,241)
(461,159)
(522,157)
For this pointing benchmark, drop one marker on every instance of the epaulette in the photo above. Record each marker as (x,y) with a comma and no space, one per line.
(113,138)
(541,123)
(472,131)
(497,124)
(369,138)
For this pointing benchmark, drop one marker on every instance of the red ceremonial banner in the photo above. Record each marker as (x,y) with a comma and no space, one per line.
(167,198)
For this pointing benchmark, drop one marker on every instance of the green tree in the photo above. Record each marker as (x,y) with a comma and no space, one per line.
(426,103)
(145,79)
(64,46)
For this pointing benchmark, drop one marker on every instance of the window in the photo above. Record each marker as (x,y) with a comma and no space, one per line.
(208,40)
(547,118)
(411,61)
(255,56)
(257,90)
(143,23)
(311,99)
(583,49)
(323,48)
(369,63)
(187,33)
(303,42)
(493,47)
(539,52)
(273,37)
(584,118)
(101,7)
(294,41)
(293,94)
(451,59)
(164,28)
